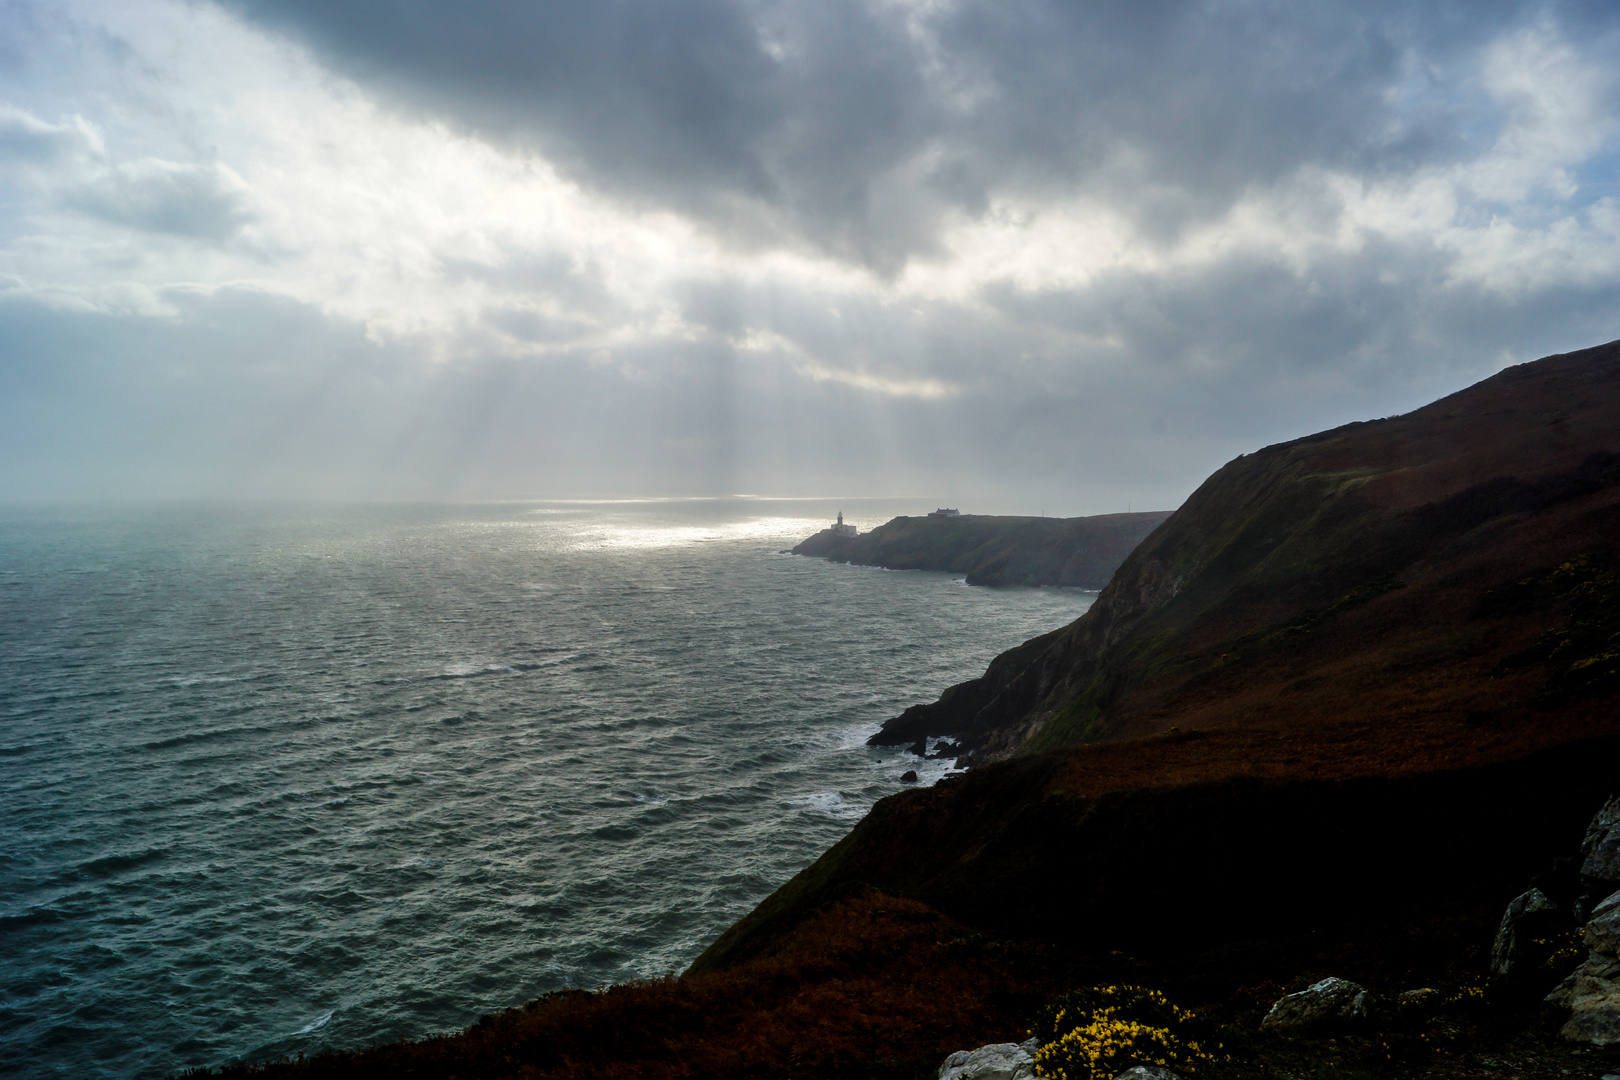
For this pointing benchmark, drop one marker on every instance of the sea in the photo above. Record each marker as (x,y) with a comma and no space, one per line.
(283,778)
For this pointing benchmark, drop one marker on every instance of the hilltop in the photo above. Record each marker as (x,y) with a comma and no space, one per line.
(1447,576)
(1080,553)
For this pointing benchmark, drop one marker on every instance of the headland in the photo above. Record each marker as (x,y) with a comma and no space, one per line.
(1080,553)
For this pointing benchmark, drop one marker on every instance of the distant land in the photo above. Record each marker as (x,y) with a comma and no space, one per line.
(1354,698)
(1080,552)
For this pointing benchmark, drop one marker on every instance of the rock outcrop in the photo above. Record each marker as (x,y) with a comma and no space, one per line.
(1329,1006)
(1592,993)
(996,1061)
(1529,918)
(1600,858)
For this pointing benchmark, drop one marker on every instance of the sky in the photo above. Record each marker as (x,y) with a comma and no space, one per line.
(1016,255)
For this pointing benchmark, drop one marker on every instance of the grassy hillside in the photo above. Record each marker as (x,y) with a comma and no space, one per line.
(1452,568)
(1081,552)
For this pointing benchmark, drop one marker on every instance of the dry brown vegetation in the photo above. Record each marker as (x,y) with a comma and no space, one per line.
(874,986)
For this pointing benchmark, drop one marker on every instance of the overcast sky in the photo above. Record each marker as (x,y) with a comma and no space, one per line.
(1018,255)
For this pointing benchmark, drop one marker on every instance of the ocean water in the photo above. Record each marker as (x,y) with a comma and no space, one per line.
(277,779)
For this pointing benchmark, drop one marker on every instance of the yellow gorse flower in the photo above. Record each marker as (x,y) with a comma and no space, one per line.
(1100,1041)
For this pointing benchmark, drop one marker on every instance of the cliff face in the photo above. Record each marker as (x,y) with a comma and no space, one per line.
(1453,565)
(1081,553)
(1151,851)
(1366,675)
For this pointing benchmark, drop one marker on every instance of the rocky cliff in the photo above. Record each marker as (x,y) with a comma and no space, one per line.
(1081,552)
(1453,566)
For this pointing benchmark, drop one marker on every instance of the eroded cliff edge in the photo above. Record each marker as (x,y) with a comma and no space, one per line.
(1080,553)
(1407,568)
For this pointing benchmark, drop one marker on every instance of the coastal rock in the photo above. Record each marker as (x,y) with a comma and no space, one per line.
(1600,850)
(1332,1004)
(1562,996)
(996,1061)
(1528,917)
(1600,858)
(1594,1002)
(909,776)
(1148,1072)
(1592,994)
(1602,933)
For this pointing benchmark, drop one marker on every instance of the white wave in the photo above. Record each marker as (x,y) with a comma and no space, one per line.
(202,680)
(854,738)
(467,669)
(315,1025)
(831,803)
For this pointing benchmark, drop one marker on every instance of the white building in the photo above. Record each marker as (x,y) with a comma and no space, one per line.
(840,529)
(943,512)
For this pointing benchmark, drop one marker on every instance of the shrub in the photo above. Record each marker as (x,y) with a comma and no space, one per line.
(1098,1032)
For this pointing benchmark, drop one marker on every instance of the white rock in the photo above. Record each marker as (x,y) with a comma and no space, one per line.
(997,1061)
(1148,1072)
(1524,916)
(1600,850)
(1331,1003)
(1594,1002)
(1602,933)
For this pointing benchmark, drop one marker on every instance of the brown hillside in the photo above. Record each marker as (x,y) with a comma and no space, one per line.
(1444,577)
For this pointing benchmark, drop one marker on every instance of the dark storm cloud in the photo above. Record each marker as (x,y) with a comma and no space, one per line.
(853,127)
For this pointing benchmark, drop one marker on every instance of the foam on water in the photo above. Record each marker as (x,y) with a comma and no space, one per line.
(279,780)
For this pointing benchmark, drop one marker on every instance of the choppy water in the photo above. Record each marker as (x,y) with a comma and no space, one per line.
(275,780)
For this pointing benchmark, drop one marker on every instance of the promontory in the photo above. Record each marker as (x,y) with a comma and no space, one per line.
(1079,552)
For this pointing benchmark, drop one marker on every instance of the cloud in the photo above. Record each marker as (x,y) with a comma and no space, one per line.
(68,162)
(866,129)
(200,201)
(27,142)
(1041,254)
